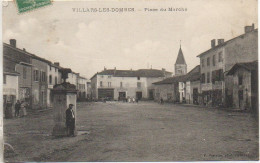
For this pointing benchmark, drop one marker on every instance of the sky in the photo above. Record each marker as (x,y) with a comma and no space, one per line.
(87,42)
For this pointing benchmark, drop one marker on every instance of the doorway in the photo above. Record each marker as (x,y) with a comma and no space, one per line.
(139,95)
(151,94)
(122,95)
(195,96)
(240,98)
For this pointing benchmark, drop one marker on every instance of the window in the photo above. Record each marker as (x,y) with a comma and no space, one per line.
(202,62)
(50,68)
(138,78)
(40,75)
(101,84)
(56,80)
(213,60)
(203,78)
(24,72)
(208,61)
(36,75)
(109,84)
(240,80)
(4,79)
(43,74)
(138,84)
(208,77)
(213,76)
(220,57)
(50,79)
(55,70)
(121,84)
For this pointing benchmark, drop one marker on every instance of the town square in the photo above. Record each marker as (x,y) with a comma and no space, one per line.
(144,131)
(130,81)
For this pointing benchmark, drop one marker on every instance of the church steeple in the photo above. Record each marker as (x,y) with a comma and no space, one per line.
(180,64)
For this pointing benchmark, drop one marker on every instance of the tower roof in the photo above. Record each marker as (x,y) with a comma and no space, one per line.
(180,58)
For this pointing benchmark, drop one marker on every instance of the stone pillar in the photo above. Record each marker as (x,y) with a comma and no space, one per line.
(63,95)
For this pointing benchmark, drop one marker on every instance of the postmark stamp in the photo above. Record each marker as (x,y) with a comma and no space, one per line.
(28,5)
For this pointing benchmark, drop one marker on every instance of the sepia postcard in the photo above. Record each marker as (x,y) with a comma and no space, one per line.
(129,81)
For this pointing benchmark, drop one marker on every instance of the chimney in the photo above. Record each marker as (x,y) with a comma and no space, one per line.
(115,68)
(213,43)
(13,42)
(249,28)
(220,41)
(24,49)
(57,63)
(105,68)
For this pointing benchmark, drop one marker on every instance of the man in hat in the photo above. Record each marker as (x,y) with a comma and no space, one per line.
(70,120)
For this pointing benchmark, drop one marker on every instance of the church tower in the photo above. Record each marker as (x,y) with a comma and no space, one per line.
(180,64)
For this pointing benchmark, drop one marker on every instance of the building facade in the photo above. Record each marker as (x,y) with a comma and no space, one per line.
(245,85)
(53,77)
(121,84)
(216,87)
(17,61)
(39,82)
(180,66)
(180,88)
(82,88)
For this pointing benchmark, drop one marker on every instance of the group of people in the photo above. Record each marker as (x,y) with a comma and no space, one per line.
(128,99)
(20,108)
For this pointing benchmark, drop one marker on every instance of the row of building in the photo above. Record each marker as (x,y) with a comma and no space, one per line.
(227,76)
(30,78)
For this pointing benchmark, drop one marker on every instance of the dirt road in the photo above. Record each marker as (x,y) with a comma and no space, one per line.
(136,132)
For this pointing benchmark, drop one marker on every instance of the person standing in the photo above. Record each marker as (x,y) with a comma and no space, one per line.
(17,108)
(70,120)
(23,108)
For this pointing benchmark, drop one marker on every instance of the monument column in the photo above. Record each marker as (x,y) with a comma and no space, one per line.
(63,95)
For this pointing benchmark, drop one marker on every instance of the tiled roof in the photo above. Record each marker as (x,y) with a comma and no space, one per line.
(250,66)
(193,75)
(225,43)
(171,80)
(152,73)
(27,53)
(180,58)
(134,73)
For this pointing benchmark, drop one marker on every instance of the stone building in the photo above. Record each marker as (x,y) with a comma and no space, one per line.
(245,85)
(217,88)
(180,66)
(173,89)
(39,82)
(17,61)
(180,88)
(120,84)
(89,89)
(32,80)
(82,88)
(192,86)
(10,91)
(169,89)
(53,77)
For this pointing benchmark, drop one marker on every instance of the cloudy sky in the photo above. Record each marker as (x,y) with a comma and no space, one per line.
(86,42)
